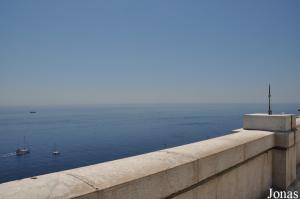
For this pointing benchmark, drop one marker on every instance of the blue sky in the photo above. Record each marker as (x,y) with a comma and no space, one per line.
(93,52)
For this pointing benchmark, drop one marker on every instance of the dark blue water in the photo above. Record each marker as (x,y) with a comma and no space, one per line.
(87,135)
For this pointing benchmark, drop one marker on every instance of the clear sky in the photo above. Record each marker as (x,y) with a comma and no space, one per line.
(93,52)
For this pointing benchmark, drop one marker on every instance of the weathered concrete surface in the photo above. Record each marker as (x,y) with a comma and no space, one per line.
(55,185)
(276,122)
(295,186)
(297,121)
(285,140)
(249,180)
(284,154)
(154,175)
(297,141)
(284,167)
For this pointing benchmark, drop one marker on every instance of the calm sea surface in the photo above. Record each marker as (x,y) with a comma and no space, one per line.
(92,134)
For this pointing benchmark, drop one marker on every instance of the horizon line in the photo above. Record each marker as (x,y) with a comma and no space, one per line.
(141,103)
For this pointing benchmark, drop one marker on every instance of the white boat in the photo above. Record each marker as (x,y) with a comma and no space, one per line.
(22,150)
(55,153)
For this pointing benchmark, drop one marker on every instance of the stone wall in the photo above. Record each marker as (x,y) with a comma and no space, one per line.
(239,165)
(297,140)
(252,179)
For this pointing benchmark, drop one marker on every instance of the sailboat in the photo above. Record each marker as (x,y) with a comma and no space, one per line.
(22,150)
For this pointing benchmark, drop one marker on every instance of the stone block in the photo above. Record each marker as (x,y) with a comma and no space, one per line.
(265,122)
(218,162)
(284,167)
(297,135)
(207,190)
(297,153)
(258,146)
(284,140)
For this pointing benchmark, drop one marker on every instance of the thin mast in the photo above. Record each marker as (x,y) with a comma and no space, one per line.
(24,143)
(269,96)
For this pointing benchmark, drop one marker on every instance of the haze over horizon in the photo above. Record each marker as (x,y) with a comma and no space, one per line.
(73,52)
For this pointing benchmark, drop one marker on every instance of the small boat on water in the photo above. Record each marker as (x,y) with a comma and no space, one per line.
(32,112)
(22,150)
(55,151)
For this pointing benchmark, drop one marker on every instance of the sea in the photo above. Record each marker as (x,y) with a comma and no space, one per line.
(91,134)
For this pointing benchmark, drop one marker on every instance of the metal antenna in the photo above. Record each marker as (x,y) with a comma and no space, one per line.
(269,96)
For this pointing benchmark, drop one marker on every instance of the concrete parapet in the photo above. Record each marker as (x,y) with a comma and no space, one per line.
(252,179)
(284,160)
(297,140)
(166,173)
(284,153)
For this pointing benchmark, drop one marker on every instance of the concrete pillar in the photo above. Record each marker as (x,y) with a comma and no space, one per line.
(284,151)
(297,143)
